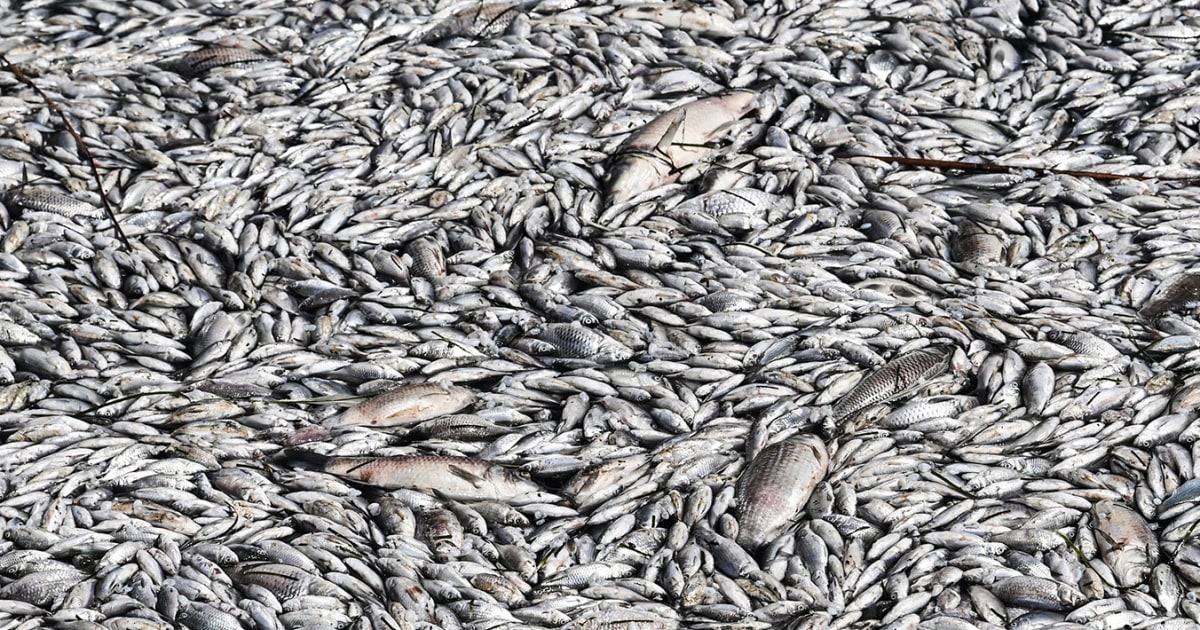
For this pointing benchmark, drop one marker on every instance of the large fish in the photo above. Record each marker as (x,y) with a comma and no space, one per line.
(903,375)
(1127,544)
(406,405)
(775,486)
(458,478)
(655,154)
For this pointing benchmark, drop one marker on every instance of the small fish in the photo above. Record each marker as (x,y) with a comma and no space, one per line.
(1036,593)
(576,341)
(737,210)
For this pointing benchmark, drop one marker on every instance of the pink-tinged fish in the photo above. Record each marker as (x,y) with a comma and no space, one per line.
(775,487)
(1126,542)
(655,154)
(406,405)
(458,478)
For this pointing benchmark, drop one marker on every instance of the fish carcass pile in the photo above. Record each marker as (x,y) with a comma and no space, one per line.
(589,315)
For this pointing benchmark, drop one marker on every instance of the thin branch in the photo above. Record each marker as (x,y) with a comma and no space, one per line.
(991,167)
(87,154)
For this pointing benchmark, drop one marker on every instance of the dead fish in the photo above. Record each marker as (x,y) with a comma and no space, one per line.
(41,200)
(406,405)
(1037,593)
(974,245)
(737,210)
(1126,542)
(1179,293)
(686,17)
(472,19)
(214,56)
(576,341)
(655,154)
(42,587)
(458,478)
(775,486)
(903,375)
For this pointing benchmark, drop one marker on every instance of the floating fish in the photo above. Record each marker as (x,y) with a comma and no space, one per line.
(773,489)
(458,478)
(655,154)
(900,376)
(406,405)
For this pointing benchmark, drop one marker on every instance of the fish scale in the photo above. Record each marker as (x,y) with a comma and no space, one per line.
(900,376)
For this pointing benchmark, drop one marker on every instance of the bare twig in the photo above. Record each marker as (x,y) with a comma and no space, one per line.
(87,154)
(990,167)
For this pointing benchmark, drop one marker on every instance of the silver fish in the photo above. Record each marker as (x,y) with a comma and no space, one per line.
(406,405)
(459,478)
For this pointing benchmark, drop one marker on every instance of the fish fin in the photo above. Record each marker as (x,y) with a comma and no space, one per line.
(467,475)
(664,143)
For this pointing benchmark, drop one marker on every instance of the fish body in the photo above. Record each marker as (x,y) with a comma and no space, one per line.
(1126,542)
(576,341)
(774,488)
(1178,293)
(458,478)
(1036,593)
(472,19)
(655,154)
(41,200)
(215,56)
(736,210)
(405,406)
(903,375)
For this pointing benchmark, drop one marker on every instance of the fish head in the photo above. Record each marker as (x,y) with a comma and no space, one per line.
(517,482)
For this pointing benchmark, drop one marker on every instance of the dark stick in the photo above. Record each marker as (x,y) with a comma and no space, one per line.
(87,154)
(989,167)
